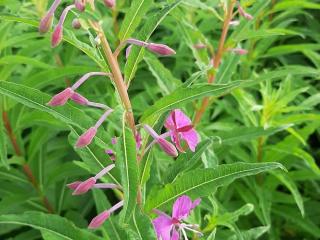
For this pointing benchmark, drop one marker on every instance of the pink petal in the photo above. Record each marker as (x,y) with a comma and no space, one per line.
(191,137)
(74,185)
(99,220)
(86,138)
(84,186)
(175,234)
(182,119)
(182,207)
(61,98)
(163,226)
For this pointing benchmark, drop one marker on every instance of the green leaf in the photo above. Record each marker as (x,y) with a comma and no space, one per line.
(136,54)
(15,59)
(53,224)
(203,182)
(133,17)
(184,95)
(3,144)
(251,234)
(128,165)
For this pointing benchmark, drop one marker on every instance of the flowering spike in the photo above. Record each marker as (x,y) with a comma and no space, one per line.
(58,31)
(78,98)
(76,23)
(61,98)
(161,49)
(84,186)
(86,138)
(80,5)
(46,21)
(110,3)
(102,217)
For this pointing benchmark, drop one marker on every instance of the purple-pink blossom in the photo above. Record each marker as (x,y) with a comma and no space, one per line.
(181,129)
(172,227)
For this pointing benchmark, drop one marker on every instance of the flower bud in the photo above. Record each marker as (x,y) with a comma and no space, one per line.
(85,186)
(244,14)
(45,23)
(74,185)
(80,5)
(99,220)
(161,49)
(128,51)
(57,36)
(86,138)
(61,98)
(167,147)
(76,23)
(200,46)
(78,98)
(239,51)
(110,3)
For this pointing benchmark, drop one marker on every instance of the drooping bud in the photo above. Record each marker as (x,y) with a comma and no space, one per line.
(78,98)
(61,98)
(200,46)
(56,37)
(80,5)
(111,154)
(239,51)
(45,23)
(74,185)
(76,23)
(99,220)
(167,147)
(110,3)
(86,138)
(244,14)
(85,186)
(161,49)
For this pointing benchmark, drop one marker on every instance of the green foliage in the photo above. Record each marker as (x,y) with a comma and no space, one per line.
(262,118)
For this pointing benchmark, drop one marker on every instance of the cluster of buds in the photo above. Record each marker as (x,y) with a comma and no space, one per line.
(81,187)
(57,35)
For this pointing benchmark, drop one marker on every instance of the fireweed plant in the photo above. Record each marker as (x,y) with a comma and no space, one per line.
(169,160)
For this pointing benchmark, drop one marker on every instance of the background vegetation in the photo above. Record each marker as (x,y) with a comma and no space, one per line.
(271,116)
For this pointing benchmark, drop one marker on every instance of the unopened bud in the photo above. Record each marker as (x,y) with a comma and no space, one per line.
(110,3)
(45,23)
(161,49)
(85,186)
(80,5)
(99,220)
(61,98)
(167,147)
(86,138)
(78,98)
(57,36)
(76,23)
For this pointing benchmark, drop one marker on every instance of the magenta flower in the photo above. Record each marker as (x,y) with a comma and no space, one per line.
(166,146)
(102,217)
(61,98)
(80,187)
(180,128)
(170,228)
(46,21)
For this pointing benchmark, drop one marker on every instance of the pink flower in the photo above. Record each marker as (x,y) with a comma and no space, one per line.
(170,228)
(102,217)
(110,3)
(181,128)
(61,98)
(80,187)
(166,146)
(161,49)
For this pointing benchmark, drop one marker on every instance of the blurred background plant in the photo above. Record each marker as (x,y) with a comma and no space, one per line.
(273,119)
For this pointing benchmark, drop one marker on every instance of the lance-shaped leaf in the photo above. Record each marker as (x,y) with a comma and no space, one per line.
(137,53)
(54,224)
(133,17)
(3,144)
(185,95)
(203,182)
(128,166)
